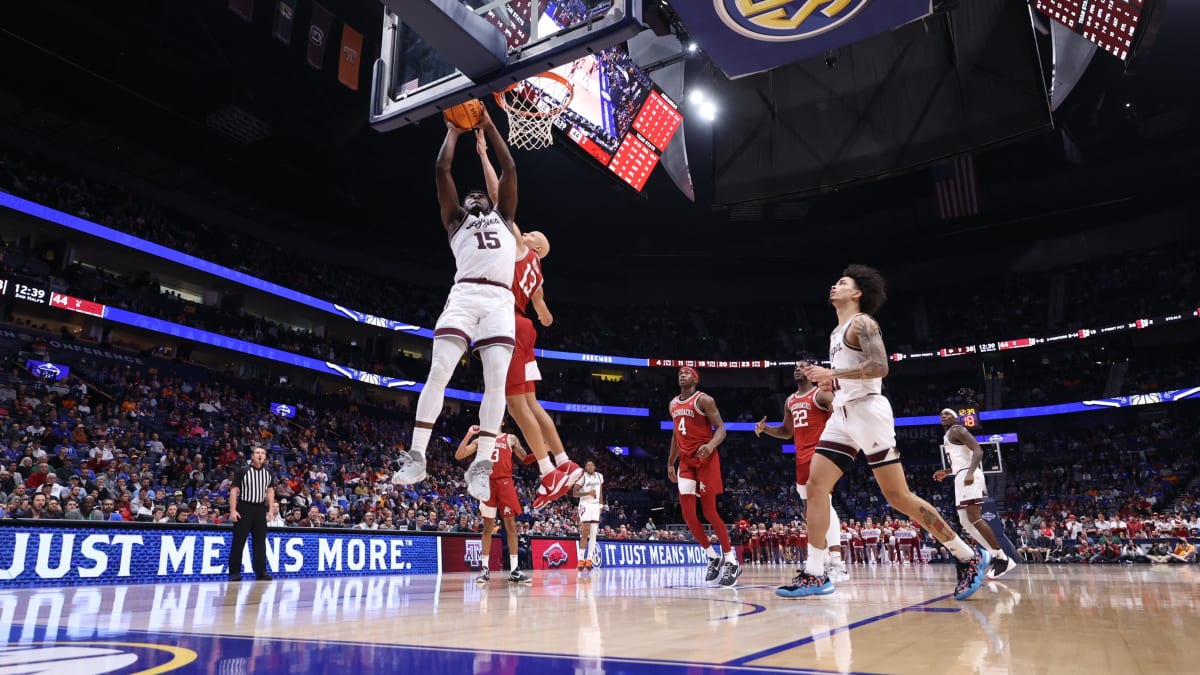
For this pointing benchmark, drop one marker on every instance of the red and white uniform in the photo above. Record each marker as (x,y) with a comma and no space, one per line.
(504,499)
(808,421)
(693,429)
(522,369)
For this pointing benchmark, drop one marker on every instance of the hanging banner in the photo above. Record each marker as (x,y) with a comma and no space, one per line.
(749,36)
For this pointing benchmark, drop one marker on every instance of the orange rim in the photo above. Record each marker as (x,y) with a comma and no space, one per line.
(557,110)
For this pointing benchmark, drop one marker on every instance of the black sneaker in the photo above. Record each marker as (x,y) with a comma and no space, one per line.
(729,574)
(484,577)
(517,578)
(713,571)
(1000,567)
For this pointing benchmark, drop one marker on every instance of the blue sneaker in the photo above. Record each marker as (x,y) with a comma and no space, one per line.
(971,574)
(806,584)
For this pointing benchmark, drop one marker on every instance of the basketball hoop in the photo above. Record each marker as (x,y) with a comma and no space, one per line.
(533,105)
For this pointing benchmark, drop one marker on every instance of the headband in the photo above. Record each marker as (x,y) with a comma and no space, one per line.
(693,372)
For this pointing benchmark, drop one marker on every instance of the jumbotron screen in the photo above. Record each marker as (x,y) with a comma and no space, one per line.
(1109,24)
(617,116)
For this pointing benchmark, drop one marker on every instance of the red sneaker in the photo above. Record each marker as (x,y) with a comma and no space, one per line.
(557,483)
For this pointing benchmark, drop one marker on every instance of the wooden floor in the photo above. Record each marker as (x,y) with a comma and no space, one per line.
(1044,619)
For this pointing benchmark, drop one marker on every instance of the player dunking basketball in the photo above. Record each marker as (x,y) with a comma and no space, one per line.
(520,389)
(478,309)
(699,430)
(504,499)
(964,454)
(804,415)
(862,422)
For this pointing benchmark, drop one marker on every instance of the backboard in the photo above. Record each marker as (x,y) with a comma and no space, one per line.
(412,80)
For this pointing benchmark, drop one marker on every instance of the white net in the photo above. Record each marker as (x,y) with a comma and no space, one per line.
(532,106)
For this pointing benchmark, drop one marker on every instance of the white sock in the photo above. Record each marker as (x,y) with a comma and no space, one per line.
(420,440)
(835,558)
(708,551)
(545,466)
(561,458)
(960,549)
(484,565)
(815,564)
(512,563)
(731,556)
(485,447)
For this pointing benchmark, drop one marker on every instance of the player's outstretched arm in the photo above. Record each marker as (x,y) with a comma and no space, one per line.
(506,191)
(783,433)
(491,180)
(468,445)
(518,449)
(452,211)
(539,305)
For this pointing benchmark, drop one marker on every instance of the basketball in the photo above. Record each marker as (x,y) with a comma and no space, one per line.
(466,115)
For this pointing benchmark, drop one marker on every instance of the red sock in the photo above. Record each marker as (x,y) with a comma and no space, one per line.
(709,503)
(687,504)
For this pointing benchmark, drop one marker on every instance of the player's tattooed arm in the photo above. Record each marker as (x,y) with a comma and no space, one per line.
(870,341)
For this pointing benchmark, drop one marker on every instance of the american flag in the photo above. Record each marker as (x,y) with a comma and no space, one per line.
(955,188)
(410,86)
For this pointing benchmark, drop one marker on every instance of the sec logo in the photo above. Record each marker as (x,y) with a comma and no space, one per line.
(786,20)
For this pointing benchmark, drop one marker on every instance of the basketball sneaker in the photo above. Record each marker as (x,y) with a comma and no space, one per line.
(412,469)
(479,479)
(483,577)
(971,574)
(714,569)
(517,578)
(557,483)
(730,572)
(805,584)
(837,572)
(1000,567)
(585,564)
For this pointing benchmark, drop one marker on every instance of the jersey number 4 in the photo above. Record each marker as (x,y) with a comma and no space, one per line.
(800,417)
(683,426)
(487,240)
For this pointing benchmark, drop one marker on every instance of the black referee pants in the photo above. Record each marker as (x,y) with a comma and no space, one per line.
(252,519)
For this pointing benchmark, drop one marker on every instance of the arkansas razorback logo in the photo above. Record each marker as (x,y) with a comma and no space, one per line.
(555,556)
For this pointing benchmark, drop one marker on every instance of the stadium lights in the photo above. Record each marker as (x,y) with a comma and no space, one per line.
(707,108)
(693,47)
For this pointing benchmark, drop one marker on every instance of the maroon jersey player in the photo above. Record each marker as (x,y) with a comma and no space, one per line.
(698,430)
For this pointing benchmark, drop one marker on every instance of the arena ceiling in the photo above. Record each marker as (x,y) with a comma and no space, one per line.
(195,102)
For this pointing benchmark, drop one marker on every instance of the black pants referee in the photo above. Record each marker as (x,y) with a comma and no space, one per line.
(252,490)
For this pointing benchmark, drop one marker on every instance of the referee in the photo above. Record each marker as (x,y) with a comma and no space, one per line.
(250,497)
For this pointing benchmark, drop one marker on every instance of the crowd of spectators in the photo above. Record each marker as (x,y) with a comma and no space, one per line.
(1123,287)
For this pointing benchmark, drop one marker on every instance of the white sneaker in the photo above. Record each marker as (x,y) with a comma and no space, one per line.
(412,469)
(837,572)
(479,481)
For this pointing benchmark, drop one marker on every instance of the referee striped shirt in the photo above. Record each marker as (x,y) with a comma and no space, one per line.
(252,484)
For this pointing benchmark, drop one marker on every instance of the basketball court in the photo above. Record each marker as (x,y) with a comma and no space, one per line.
(887,619)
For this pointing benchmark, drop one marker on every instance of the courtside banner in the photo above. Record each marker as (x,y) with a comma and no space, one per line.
(68,556)
(551,554)
(749,36)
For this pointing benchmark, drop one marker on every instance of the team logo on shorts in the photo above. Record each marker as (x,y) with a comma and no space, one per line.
(703,487)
